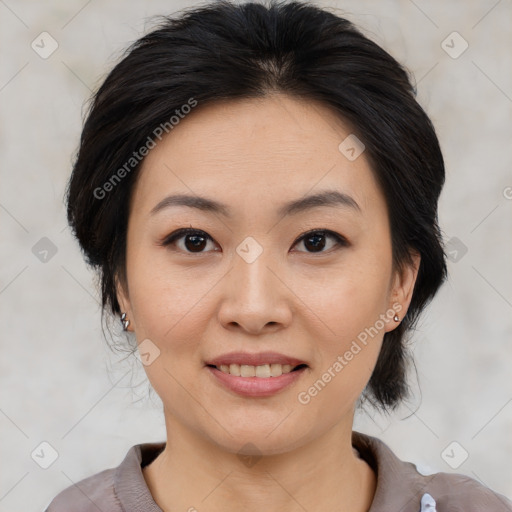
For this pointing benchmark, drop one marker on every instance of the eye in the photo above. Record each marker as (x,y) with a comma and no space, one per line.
(194,240)
(315,240)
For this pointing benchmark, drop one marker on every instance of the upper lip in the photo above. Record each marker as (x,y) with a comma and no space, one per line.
(256,359)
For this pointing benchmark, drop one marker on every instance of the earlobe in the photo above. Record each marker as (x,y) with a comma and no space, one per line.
(124,321)
(124,303)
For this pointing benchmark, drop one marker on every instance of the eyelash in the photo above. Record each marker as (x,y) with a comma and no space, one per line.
(181,233)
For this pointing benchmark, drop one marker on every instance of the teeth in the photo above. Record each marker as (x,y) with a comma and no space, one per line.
(263,371)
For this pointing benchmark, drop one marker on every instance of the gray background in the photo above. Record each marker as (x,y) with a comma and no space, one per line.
(60,384)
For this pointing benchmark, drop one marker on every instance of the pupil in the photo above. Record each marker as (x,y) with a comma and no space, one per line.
(198,242)
(316,245)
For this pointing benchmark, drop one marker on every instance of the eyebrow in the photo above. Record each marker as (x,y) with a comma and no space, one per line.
(326,198)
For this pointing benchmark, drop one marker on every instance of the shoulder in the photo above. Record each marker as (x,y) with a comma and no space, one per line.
(91,494)
(112,490)
(457,492)
(410,487)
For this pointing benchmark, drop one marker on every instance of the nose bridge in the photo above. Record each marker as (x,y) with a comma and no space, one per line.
(254,296)
(251,272)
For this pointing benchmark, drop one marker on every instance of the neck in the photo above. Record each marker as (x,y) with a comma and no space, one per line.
(192,472)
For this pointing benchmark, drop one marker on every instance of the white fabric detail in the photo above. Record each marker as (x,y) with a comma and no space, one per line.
(428,504)
(425,469)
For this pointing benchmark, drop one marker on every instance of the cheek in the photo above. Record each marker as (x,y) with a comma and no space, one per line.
(350,308)
(348,349)
(168,302)
(353,298)
(170,311)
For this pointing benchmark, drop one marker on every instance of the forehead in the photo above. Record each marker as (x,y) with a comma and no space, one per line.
(254,152)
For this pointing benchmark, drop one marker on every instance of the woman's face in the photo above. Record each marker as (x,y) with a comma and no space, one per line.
(248,282)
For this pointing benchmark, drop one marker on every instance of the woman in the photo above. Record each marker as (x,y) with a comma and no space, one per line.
(257,188)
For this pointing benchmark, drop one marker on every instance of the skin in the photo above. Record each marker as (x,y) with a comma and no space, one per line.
(254,155)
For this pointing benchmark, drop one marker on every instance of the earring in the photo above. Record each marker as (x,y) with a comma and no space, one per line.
(396,318)
(125,323)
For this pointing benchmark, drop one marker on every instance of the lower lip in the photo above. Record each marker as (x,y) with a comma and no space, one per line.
(256,386)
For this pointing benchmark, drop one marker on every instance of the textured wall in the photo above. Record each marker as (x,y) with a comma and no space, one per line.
(62,386)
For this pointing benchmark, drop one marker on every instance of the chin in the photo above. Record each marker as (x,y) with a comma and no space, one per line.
(259,442)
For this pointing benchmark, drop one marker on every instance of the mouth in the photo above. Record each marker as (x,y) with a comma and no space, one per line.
(263,371)
(256,381)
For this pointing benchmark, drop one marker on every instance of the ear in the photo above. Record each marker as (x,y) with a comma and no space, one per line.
(402,289)
(124,300)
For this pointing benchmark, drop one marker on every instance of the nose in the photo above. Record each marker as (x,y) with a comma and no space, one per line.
(255,297)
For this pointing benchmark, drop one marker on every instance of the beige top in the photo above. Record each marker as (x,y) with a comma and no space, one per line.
(400,486)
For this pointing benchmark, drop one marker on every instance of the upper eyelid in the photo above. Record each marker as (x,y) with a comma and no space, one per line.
(327,232)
